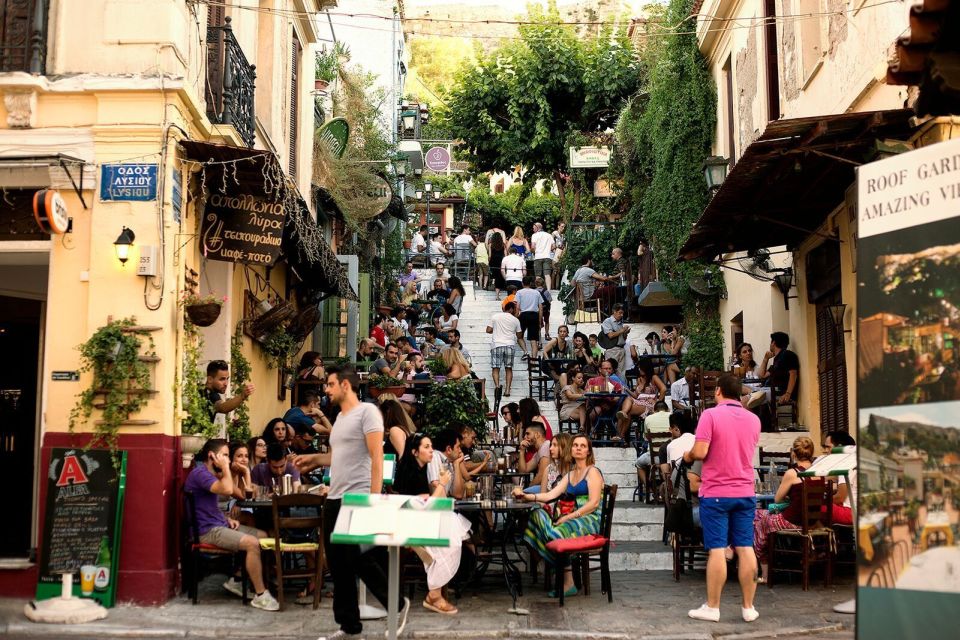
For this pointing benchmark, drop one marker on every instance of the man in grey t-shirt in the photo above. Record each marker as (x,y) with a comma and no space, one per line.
(356,466)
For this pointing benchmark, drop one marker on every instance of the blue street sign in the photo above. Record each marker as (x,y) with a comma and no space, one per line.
(128,182)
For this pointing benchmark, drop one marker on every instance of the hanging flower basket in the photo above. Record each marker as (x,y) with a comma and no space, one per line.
(204,314)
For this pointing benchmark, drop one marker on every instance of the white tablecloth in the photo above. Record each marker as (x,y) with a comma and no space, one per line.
(934,570)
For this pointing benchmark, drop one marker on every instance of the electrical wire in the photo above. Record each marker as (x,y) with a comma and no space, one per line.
(672,28)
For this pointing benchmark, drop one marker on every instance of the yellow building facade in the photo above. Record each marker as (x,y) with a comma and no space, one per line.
(139,112)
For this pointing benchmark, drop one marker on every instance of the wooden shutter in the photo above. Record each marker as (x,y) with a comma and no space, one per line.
(832,375)
(295,55)
(772,60)
(216,18)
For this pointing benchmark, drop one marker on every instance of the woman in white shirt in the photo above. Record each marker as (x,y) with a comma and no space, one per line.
(446,322)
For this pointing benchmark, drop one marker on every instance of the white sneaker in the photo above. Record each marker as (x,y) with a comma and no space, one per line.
(401,621)
(710,614)
(749,615)
(266,602)
(340,634)
(234,586)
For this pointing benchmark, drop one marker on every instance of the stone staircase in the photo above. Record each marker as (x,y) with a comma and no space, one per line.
(637,527)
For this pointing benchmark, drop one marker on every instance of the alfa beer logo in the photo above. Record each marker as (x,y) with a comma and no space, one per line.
(73,477)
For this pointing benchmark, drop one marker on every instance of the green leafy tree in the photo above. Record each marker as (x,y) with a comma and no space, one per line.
(520,103)
(662,138)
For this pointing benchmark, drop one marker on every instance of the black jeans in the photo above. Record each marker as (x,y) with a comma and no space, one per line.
(346,564)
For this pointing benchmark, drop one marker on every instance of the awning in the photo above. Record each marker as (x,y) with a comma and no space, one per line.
(788,181)
(256,172)
(18,172)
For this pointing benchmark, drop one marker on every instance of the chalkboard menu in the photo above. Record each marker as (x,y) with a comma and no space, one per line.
(242,228)
(81,532)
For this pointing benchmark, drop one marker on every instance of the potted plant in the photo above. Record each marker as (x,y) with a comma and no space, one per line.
(326,65)
(455,404)
(202,311)
(437,369)
(121,379)
(281,347)
(197,425)
(380,384)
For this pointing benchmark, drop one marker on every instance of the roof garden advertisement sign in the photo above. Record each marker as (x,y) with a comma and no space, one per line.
(589,157)
(908,393)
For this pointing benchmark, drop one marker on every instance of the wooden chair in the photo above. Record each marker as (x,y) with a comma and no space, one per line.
(586,309)
(655,479)
(594,550)
(536,378)
(706,387)
(687,548)
(197,556)
(815,538)
(310,545)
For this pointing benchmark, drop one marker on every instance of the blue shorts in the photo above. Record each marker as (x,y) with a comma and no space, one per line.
(727,522)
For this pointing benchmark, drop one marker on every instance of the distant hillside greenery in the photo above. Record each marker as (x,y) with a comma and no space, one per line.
(883,435)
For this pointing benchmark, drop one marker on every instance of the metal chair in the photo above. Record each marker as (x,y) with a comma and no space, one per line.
(462,263)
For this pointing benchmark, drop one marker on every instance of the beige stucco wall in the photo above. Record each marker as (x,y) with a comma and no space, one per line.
(119,71)
(845,77)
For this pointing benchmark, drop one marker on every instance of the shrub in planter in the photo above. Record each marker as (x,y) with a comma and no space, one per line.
(455,404)
(380,384)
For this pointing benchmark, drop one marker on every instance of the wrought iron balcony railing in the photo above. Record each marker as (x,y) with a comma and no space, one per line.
(23,35)
(230,82)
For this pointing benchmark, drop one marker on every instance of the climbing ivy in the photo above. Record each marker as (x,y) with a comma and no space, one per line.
(663,136)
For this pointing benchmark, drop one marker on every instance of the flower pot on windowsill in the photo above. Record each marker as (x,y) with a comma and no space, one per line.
(203,315)
(320,85)
(189,445)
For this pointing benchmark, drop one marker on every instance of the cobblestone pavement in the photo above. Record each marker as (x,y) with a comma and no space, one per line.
(647,605)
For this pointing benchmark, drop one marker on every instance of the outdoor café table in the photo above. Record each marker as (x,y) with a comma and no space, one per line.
(764,500)
(869,524)
(393,521)
(934,570)
(511,512)
(937,522)
(595,399)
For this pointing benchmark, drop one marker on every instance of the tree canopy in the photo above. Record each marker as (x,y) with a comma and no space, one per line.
(522,103)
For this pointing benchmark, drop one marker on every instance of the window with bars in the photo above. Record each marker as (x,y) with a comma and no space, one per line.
(296,51)
(23,35)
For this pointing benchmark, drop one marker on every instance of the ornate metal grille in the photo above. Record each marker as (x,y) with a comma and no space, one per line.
(23,35)
(230,82)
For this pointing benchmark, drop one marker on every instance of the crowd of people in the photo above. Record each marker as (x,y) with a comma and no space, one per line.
(333,432)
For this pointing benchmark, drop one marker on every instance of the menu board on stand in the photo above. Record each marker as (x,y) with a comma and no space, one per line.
(81,530)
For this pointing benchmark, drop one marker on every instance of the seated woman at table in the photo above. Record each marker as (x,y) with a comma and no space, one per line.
(744,365)
(510,413)
(276,431)
(572,399)
(447,321)
(560,348)
(561,461)
(440,563)
(790,490)
(583,484)
(240,470)
(582,352)
(397,427)
(650,389)
(842,500)
(457,365)
(256,450)
(672,344)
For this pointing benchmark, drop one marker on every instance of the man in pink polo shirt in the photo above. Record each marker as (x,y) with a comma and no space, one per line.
(727,435)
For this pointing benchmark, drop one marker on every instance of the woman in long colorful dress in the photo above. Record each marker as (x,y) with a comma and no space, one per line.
(584,484)
(790,490)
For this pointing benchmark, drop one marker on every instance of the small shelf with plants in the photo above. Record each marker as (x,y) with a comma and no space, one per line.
(120,385)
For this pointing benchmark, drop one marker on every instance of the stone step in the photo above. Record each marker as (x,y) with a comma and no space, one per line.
(640,556)
(627,512)
(637,532)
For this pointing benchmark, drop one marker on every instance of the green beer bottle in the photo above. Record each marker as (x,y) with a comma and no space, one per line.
(101,579)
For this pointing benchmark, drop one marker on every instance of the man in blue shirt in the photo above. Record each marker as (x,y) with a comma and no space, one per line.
(307,414)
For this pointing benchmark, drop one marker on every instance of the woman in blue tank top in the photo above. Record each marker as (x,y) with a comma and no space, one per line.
(584,485)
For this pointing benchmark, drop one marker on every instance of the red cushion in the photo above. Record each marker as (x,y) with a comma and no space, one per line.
(580,543)
(210,548)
